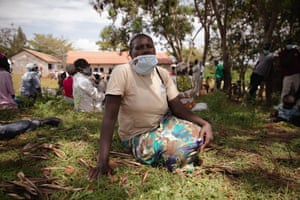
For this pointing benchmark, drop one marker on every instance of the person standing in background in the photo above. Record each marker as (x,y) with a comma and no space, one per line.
(196,77)
(262,70)
(102,84)
(68,84)
(219,74)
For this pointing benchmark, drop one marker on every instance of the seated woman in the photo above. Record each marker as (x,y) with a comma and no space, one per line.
(7,92)
(141,94)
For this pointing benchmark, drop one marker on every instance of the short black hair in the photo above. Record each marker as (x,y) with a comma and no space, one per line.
(267,46)
(4,62)
(135,37)
(81,63)
(288,41)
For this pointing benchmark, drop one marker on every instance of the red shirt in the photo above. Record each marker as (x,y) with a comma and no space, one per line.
(68,86)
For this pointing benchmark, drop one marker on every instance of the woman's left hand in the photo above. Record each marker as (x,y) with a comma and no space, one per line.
(206,132)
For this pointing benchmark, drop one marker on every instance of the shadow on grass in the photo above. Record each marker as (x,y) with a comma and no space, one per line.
(261,158)
(266,160)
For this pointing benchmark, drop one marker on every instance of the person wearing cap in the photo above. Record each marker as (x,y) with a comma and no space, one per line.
(68,84)
(7,92)
(31,85)
(86,97)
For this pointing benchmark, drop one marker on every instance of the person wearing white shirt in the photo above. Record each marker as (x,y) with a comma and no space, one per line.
(197,77)
(87,98)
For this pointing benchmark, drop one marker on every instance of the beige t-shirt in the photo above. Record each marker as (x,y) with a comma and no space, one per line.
(144,100)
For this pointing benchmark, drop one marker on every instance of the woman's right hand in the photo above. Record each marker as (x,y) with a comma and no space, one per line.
(96,172)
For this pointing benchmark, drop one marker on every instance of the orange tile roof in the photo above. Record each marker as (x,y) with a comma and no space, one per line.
(164,59)
(46,57)
(98,57)
(105,57)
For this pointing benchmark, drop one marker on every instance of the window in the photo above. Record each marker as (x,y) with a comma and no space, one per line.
(50,66)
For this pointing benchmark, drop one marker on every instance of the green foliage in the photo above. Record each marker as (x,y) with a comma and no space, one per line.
(162,19)
(12,40)
(50,45)
(112,39)
(184,83)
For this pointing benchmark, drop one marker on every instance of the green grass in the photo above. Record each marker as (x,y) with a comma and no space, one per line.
(45,83)
(248,159)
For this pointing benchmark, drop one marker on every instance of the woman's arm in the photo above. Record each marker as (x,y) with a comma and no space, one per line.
(179,110)
(112,105)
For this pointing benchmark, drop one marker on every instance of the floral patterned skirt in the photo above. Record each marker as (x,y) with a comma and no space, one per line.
(175,144)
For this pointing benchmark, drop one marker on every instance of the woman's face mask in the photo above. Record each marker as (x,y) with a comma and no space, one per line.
(144,64)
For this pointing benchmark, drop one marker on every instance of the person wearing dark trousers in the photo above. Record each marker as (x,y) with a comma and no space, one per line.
(11,130)
(261,70)
(219,74)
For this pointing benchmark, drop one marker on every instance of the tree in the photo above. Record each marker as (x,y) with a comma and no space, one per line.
(168,20)
(222,11)
(50,45)
(18,42)
(171,22)
(110,39)
(204,13)
(12,40)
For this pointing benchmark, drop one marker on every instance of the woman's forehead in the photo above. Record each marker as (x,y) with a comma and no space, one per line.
(142,39)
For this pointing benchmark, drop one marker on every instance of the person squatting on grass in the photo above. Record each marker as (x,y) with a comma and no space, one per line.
(31,85)
(153,122)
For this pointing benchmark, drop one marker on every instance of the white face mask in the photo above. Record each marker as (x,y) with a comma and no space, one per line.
(289,46)
(87,71)
(144,64)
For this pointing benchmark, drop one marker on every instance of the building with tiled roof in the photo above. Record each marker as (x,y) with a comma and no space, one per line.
(100,61)
(46,63)
(105,61)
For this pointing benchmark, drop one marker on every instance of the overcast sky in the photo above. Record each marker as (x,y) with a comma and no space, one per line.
(74,20)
